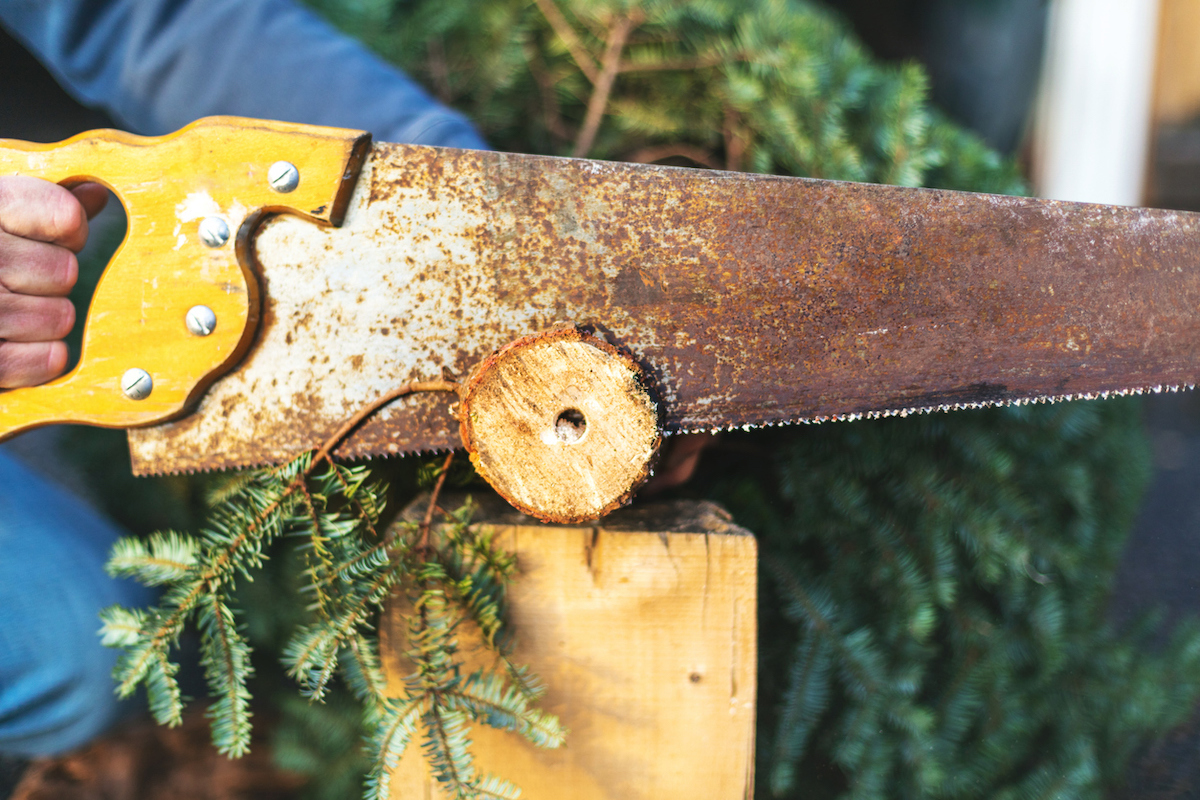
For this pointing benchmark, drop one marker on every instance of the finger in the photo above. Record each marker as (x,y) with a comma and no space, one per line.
(37,209)
(28,364)
(676,473)
(35,319)
(689,445)
(92,196)
(679,461)
(29,267)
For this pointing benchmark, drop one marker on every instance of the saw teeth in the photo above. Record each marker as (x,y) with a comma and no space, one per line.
(815,420)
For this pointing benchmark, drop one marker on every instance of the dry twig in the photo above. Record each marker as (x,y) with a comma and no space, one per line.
(651,155)
(598,102)
(567,34)
(736,141)
(427,522)
(412,387)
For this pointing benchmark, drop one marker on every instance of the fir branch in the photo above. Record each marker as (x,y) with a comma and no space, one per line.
(165,557)
(478,579)
(491,787)
(815,611)
(162,690)
(804,701)
(361,563)
(310,653)
(314,656)
(432,649)
(225,656)
(351,570)
(446,745)
(363,673)
(487,698)
(122,626)
(483,600)
(225,487)
(391,738)
(368,515)
(320,560)
(524,679)
(147,656)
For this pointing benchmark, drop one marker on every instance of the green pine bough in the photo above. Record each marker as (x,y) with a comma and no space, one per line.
(932,611)
(451,576)
(934,587)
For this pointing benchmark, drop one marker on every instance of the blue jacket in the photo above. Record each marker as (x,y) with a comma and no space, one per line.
(156,65)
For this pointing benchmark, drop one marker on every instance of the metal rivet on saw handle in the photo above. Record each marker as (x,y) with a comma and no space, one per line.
(201,320)
(283,176)
(137,384)
(214,231)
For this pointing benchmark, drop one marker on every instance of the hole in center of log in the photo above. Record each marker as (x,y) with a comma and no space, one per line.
(570,426)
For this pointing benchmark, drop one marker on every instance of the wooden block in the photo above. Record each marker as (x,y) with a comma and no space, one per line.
(644,628)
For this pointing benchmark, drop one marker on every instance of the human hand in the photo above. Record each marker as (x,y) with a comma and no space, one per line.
(42,227)
(680,457)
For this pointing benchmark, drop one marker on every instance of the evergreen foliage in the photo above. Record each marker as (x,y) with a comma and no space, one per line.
(933,609)
(933,588)
(764,85)
(932,619)
(349,569)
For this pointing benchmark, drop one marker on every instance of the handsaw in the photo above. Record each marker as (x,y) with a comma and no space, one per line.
(332,270)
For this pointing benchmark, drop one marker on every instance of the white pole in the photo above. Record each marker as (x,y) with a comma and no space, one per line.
(1091,140)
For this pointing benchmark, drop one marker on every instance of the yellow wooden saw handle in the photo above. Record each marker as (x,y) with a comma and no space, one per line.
(217,175)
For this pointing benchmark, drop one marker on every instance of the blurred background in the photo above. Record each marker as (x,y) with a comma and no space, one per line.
(1097,100)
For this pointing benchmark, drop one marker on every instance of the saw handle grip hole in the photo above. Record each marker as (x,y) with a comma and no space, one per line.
(106,231)
(570,426)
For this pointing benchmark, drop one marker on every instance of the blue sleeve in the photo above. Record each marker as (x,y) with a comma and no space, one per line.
(156,65)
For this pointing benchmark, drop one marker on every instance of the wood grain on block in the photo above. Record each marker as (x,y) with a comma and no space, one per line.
(644,630)
(561,425)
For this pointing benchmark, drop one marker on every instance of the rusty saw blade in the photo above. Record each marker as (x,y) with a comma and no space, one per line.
(750,299)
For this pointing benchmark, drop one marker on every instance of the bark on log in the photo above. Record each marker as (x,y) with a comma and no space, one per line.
(561,425)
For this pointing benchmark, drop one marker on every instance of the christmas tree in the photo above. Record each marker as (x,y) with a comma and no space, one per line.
(932,608)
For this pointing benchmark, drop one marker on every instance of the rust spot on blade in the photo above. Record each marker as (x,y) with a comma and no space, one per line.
(749,299)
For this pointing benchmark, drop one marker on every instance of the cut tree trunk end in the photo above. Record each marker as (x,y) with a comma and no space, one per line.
(561,425)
